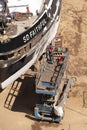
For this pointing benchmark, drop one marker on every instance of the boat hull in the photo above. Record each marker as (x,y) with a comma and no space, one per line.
(10,73)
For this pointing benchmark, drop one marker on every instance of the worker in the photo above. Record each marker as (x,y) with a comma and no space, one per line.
(47,53)
(59,43)
(37,12)
(45,6)
(60,59)
(59,50)
(51,49)
(27,8)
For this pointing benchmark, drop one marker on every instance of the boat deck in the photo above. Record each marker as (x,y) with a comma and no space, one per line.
(25,24)
(21,25)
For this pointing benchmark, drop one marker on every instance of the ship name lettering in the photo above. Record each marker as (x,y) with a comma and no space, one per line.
(34,31)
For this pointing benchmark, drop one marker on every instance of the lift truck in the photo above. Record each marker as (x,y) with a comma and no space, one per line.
(53,88)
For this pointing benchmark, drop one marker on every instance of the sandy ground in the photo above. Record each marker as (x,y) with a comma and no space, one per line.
(18,100)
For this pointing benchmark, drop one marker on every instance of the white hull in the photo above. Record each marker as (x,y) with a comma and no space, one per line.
(45,41)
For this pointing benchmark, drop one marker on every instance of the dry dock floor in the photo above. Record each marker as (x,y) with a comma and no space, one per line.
(73,26)
(18,100)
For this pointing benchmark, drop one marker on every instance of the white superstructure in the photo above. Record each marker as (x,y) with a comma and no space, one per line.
(20,5)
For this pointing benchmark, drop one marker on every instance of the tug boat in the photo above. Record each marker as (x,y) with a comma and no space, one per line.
(25,32)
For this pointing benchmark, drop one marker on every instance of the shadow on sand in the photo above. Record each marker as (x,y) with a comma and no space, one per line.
(22,96)
(1,90)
